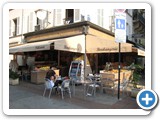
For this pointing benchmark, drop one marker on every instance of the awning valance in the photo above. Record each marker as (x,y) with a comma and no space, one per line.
(77,44)
(103,45)
(72,44)
(139,51)
(36,46)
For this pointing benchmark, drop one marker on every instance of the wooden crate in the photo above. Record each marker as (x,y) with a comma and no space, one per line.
(38,77)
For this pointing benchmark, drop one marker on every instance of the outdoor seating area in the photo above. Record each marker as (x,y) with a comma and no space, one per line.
(100,101)
(92,87)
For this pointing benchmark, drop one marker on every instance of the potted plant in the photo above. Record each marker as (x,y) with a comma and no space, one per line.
(135,79)
(13,77)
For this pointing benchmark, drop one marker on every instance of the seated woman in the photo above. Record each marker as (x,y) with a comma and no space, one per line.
(51,76)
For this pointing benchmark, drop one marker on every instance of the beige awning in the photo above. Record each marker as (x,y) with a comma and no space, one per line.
(72,44)
(76,44)
(100,45)
(141,52)
(138,51)
(36,46)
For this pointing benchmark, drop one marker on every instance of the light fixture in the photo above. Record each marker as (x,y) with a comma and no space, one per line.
(41,14)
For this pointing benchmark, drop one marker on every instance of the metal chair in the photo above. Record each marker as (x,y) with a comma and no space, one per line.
(108,82)
(48,86)
(123,86)
(91,90)
(65,87)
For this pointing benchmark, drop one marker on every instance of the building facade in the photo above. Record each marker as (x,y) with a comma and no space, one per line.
(72,34)
(28,20)
(23,21)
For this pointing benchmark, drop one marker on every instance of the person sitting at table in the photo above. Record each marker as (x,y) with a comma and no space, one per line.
(51,75)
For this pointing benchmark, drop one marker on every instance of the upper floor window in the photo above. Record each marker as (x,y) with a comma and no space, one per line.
(14,27)
(37,20)
(42,20)
(69,16)
(72,15)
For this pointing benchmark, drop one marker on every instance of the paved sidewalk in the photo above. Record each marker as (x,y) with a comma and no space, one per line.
(20,98)
(29,96)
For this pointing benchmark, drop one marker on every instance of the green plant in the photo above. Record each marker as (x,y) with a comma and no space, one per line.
(13,75)
(136,75)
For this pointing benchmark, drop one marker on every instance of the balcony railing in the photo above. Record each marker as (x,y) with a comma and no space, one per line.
(141,18)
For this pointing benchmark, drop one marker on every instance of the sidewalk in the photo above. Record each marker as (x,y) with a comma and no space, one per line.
(29,96)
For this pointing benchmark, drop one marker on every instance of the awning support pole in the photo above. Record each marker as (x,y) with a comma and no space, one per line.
(58,58)
(119,70)
(85,32)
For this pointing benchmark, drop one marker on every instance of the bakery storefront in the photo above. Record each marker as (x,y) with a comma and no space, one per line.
(61,45)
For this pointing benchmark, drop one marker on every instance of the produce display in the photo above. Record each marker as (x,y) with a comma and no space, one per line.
(116,71)
(45,68)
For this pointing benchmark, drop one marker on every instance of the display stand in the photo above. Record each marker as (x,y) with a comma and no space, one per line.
(76,70)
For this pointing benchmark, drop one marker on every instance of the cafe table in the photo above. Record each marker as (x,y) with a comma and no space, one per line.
(83,82)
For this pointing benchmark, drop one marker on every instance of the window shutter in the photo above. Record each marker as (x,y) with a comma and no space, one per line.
(100,17)
(10,28)
(27,23)
(58,17)
(13,28)
(31,22)
(45,23)
(77,15)
(18,26)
